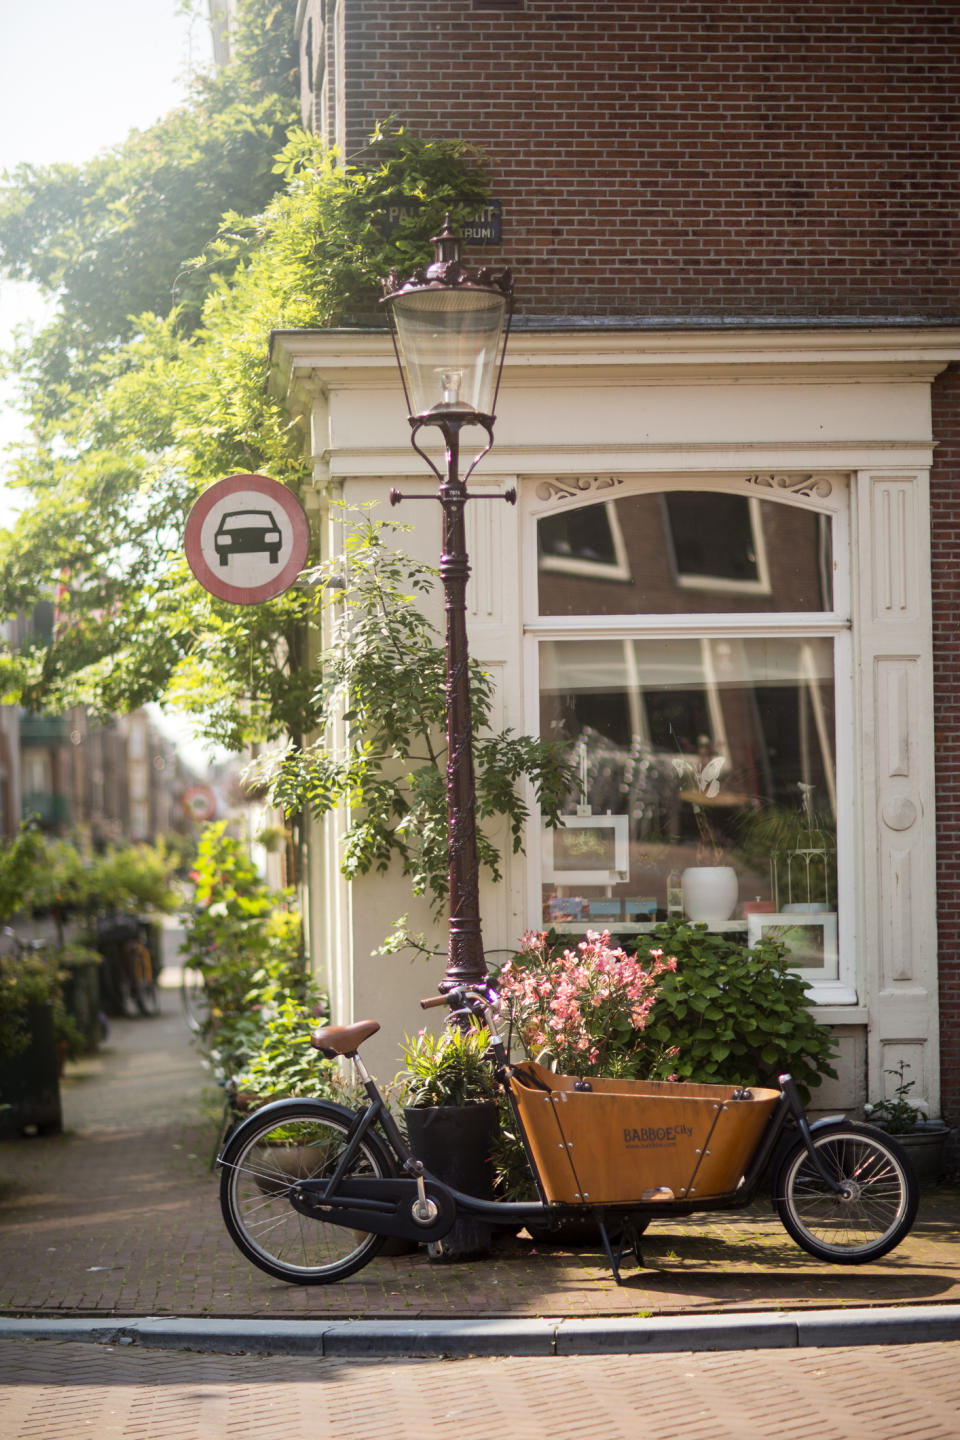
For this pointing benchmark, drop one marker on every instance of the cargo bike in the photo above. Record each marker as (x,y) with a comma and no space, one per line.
(311,1190)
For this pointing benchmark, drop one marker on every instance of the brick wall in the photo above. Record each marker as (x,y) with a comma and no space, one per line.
(945,519)
(692,159)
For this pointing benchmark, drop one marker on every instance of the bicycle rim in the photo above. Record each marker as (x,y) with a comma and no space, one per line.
(871,1218)
(303,1143)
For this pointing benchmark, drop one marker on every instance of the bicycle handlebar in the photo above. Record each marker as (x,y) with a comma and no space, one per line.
(464,997)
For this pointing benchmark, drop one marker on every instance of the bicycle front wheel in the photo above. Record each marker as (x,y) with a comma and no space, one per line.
(872,1213)
(290,1141)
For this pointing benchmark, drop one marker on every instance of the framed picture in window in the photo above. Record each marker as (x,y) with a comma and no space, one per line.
(810,939)
(587,850)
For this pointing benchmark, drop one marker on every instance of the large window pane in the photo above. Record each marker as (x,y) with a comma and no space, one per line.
(690,753)
(684,552)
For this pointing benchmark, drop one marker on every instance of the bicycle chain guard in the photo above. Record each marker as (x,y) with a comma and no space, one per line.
(382,1206)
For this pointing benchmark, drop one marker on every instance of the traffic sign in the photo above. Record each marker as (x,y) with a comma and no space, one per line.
(200,803)
(247,539)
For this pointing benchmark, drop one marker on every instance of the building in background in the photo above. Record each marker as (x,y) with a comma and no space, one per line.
(731,408)
(222,13)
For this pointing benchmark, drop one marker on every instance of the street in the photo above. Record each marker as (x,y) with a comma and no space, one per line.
(59,1391)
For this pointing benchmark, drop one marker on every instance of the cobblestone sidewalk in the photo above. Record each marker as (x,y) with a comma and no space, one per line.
(120,1216)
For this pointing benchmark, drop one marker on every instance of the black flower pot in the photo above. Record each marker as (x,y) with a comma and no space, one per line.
(455,1143)
(925,1146)
(30,1081)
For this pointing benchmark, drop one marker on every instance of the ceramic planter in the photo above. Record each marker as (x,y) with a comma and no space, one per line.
(710,892)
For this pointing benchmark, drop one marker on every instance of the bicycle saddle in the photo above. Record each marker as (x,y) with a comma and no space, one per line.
(333,1040)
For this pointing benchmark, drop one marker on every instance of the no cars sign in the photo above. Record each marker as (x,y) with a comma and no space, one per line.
(247,539)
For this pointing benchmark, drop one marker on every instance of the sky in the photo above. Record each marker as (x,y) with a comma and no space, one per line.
(75,77)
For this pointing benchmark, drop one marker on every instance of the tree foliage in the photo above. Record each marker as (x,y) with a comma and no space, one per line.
(152,382)
(109,240)
(158,417)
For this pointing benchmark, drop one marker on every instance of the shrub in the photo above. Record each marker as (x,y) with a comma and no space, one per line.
(244,939)
(735,1016)
(282,1061)
(246,942)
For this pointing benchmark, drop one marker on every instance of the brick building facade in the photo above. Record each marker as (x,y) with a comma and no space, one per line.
(679,160)
(732,229)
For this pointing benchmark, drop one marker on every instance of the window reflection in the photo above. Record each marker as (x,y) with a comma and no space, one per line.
(684,552)
(697,752)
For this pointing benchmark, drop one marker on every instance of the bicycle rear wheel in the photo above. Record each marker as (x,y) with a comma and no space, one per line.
(869,1217)
(145,992)
(289,1141)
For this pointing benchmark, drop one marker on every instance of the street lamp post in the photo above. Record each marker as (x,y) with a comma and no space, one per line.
(450,324)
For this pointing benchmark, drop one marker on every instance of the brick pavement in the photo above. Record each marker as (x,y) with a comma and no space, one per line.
(120,1216)
(57,1391)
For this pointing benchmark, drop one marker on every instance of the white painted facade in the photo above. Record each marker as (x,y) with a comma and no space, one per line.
(835,419)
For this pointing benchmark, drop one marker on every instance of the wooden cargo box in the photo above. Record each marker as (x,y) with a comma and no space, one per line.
(624,1139)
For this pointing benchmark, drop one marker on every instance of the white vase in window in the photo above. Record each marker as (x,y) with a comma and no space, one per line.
(710,892)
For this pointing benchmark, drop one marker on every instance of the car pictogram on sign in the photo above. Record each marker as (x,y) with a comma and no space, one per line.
(247,532)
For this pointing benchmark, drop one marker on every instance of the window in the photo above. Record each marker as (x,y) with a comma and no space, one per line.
(688,649)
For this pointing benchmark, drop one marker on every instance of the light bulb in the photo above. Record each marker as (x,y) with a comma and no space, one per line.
(450,382)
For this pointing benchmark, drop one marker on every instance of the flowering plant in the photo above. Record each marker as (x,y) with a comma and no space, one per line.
(586,1007)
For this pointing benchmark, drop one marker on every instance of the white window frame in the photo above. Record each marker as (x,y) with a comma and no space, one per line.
(835,624)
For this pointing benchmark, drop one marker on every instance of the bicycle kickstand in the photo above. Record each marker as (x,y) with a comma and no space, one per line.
(627,1241)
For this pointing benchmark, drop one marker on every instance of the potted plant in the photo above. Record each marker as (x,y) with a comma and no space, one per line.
(30,1012)
(710,890)
(798,845)
(450,1105)
(906,1119)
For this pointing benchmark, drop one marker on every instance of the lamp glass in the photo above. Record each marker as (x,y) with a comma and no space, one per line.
(449,346)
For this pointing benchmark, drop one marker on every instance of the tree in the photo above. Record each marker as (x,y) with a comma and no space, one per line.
(112,477)
(109,239)
(383,681)
(136,411)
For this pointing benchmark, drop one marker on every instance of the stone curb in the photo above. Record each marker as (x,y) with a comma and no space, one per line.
(901,1325)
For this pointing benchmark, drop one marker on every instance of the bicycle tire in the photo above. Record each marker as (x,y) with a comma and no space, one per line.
(144,989)
(876,1214)
(146,996)
(287,1141)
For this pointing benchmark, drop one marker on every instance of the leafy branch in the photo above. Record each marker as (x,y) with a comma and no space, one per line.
(383,686)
